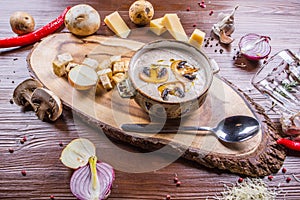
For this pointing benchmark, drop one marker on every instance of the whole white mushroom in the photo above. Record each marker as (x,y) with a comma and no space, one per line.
(82,20)
(141,12)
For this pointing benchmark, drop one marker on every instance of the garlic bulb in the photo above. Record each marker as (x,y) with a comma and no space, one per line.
(225,26)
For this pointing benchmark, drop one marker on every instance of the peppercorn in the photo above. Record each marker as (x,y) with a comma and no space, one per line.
(24,138)
(22,141)
(211,12)
(270,177)
(60,143)
(178,183)
(23,172)
(194,25)
(10,150)
(288,179)
(188,8)
(11,101)
(283,170)
(51,196)
(240,180)
(202,5)
(216,50)
(168,197)
(175,179)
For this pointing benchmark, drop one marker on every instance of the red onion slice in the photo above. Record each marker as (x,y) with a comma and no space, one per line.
(255,47)
(81,181)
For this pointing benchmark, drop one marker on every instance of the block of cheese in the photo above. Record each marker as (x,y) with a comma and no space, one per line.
(60,63)
(65,57)
(157,27)
(174,26)
(114,59)
(105,81)
(105,71)
(115,22)
(105,64)
(118,77)
(92,63)
(118,67)
(70,66)
(197,38)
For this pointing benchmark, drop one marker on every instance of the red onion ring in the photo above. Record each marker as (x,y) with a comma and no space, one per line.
(81,181)
(259,50)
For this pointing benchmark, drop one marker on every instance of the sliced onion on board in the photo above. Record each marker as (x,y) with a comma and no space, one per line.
(254,46)
(81,182)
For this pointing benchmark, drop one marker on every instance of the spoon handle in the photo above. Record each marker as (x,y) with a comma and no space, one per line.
(159,128)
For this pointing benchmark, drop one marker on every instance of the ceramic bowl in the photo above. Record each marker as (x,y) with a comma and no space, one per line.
(164,52)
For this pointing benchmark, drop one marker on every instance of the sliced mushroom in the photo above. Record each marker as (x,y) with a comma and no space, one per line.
(46,104)
(23,92)
(154,74)
(82,77)
(183,71)
(172,88)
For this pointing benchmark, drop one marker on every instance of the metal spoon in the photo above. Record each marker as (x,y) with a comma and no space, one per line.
(231,129)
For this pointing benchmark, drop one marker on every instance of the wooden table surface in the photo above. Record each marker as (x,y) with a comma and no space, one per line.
(39,155)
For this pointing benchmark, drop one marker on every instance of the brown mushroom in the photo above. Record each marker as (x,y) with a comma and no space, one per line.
(46,104)
(23,92)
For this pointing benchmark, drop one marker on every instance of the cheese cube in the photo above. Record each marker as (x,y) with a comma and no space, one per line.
(174,26)
(114,59)
(65,57)
(115,22)
(105,64)
(118,67)
(59,68)
(117,78)
(126,63)
(105,81)
(70,66)
(105,71)
(60,63)
(92,63)
(157,27)
(197,38)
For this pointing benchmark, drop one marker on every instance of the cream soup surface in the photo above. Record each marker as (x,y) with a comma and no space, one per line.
(164,57)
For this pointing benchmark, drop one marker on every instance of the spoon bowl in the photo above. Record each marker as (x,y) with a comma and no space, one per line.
(232,129)
(236,128)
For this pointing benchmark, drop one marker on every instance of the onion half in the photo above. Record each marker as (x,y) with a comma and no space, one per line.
(81,182)
(77,153)
(255,47)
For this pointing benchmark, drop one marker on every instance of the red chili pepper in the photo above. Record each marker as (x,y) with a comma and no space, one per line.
(294,145)
(36,35)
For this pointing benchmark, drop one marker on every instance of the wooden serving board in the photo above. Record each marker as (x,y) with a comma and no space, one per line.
(107,110)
